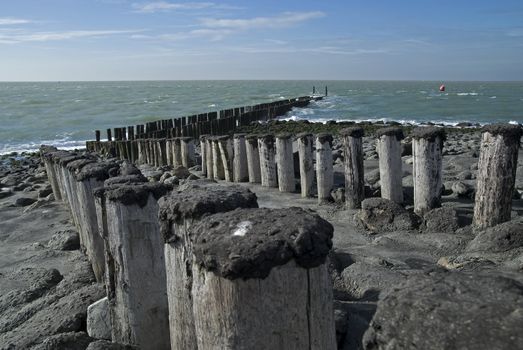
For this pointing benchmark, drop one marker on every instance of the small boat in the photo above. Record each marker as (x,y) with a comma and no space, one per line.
(442,88)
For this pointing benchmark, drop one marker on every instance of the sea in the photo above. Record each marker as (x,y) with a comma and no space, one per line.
(66,114)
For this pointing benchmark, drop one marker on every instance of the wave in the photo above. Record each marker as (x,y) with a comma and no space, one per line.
(35,146)
(467,94)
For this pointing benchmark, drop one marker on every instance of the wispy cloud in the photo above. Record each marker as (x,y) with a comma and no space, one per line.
(286,19)
(164,6)
(13,21)
(18,37)
(332,50)
(218,29)
(276,41)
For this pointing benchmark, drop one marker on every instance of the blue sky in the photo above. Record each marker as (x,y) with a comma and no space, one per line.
(377,40)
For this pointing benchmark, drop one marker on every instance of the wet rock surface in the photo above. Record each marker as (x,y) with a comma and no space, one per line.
(383,215)
(449,310)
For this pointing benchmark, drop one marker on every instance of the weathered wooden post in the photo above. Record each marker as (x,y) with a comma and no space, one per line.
(217,164)
(187,152)
(209,160)
(285,163)
(427,152)
(169,152)
(136,284)
(389,150)
(48,154)
(324,169)
(267,161)
(227,156)
(241,172)
(203,153)
(97,135)
(497,166)
(88,178)
(253,158)
(305,141)
(271,289)
(109,138)
(179,211)
(354,176)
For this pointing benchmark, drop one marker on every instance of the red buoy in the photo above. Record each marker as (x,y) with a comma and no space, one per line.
(442,88)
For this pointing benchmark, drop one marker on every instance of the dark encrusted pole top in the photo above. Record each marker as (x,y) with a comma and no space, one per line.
(248,243)
(251,137)
(512,131)
(132,193)
(266,137)
(239,136)
(303,134)
(324,137)
(100,171)
(391,131)
(185,138)
(197,201)
(354,131)
(204,137)
(429,133)
(284,135)
(64,160)
(77,165)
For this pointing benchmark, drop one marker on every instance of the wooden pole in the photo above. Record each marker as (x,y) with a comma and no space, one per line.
(498,160)
(285,302)
(285,163)
(427,151)
(217,170)
(324,169)
(253,158)
(187,151)
(354,176)
(227,156)
(267,160)
(240,172)
(176,220)
(136,281)
(388,147)
(305,141)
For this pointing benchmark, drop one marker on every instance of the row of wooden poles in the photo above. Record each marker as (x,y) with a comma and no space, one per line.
(196,267)
(269,159)
(214,123)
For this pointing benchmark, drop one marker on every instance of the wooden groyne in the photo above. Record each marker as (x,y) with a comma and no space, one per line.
(123,141)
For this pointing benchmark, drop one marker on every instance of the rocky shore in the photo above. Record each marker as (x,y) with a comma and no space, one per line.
(400,280)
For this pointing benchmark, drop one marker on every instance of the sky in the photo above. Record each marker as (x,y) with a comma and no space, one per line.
(62,40)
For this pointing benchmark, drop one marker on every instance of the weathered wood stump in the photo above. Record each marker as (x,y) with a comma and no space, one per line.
(209,157)
(353,158)
(260,288)
(218,171)
(179,211)
(187,151)
(135,282)
(204,154)
(241,171)
(324,169)
(388,147)
(267,161)
(227,156)
(90,176)
(497,166)
(285,163)
(48,155)
(305,142)
(177,151)
(253,158)
(427,152)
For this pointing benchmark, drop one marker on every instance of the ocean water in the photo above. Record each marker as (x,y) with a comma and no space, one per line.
(66,114)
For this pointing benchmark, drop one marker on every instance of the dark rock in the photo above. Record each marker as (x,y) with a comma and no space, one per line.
(21,187)
(500,238)
(65,240)
(364,281)
(107,345)
(338,195)
(44,192)
(24,201)
(372,177)
(465,175)
(383,215)
(65,341)
(5,194)
(440,220)
(181,172)
(449,310)
(462,189)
